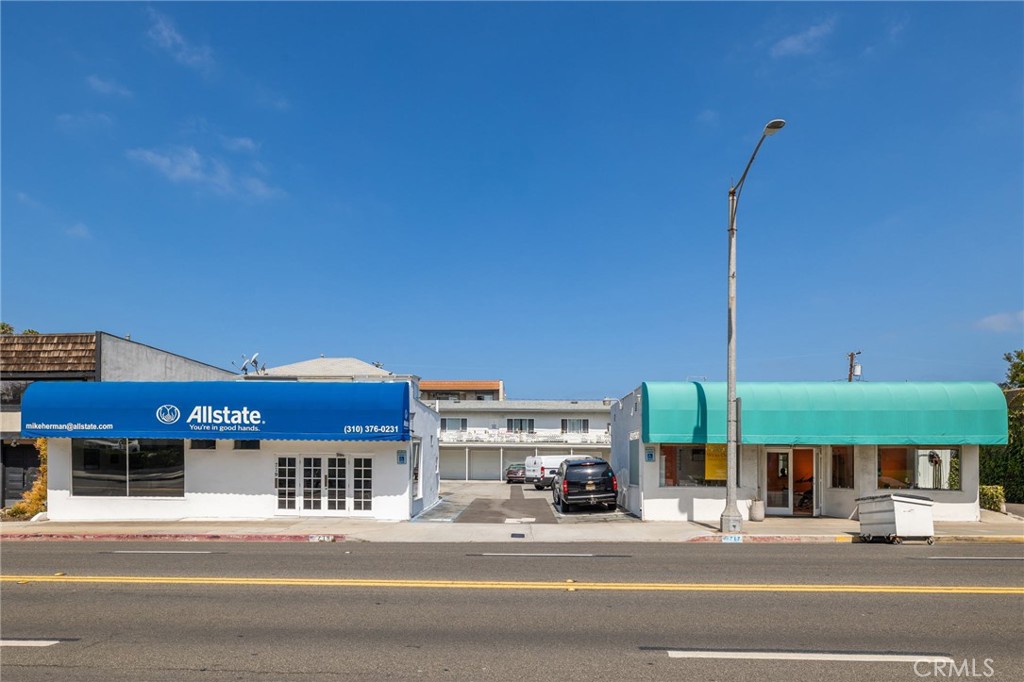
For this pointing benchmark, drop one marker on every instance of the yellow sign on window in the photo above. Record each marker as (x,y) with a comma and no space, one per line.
(714,462)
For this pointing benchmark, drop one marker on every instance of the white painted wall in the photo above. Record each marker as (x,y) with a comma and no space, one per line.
(226,483)
(627,420)
(426,424)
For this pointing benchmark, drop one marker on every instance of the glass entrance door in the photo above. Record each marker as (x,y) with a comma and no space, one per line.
(777,488)
(802,478)
(790,482)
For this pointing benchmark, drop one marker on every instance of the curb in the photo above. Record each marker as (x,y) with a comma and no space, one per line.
(766,539)
(1018,539)
(167,537)
(846,539)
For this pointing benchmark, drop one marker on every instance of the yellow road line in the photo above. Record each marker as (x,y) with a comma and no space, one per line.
(512,585)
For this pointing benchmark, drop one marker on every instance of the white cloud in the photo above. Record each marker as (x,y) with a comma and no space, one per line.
(708,117)
(186,165)
(240,144)
(164,34)
(79,231)
(27,200)
(272,100)
(107,87)
(1002,322)
(74,123)
(807,41)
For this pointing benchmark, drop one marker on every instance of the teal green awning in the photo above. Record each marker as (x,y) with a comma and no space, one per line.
(836,413)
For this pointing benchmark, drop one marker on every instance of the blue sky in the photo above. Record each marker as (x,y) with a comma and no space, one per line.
(528,192)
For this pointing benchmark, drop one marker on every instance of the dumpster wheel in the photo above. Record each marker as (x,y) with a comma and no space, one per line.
(895,540)
(931,541)
(866,538)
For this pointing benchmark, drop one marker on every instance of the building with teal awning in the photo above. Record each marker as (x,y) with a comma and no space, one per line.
(806,448)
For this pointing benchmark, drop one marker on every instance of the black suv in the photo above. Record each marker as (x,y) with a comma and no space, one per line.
(584,481)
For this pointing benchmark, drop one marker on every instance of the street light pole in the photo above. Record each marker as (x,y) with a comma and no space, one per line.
(732,520)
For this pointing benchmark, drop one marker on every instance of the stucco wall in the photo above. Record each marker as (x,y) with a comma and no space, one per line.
(123,360)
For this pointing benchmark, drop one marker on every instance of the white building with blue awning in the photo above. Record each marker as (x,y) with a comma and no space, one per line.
(235,449)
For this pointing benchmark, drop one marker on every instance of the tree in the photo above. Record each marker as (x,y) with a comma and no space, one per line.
(29,331)
(1015,372)
(6,329)
(1004,464)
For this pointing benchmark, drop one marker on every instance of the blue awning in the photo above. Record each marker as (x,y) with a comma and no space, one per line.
(236,410)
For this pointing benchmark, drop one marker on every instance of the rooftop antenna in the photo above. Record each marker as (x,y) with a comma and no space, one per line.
(248,363)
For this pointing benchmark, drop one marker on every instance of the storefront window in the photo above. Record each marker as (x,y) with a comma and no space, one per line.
(842,466)
(156,468)
(99,467)
(693,465)
(922,468)
(132,468)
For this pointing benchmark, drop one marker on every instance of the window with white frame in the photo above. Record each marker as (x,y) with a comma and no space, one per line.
(575,426)
(520,425)
(454,424)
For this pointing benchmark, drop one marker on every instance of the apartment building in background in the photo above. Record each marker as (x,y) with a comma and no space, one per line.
(481,436)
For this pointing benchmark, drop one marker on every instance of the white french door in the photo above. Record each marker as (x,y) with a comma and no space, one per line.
(324,485)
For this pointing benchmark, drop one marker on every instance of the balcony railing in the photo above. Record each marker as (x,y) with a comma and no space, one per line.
(488,436)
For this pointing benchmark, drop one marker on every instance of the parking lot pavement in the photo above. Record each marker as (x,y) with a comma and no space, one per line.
(498,502)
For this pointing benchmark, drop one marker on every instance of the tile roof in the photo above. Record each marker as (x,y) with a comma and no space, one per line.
(32,353)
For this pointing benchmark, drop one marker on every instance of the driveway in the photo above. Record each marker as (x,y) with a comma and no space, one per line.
(499,502)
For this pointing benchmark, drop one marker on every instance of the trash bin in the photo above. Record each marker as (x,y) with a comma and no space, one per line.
(895,517)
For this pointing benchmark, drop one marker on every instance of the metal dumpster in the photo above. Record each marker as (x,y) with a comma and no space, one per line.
(895,517)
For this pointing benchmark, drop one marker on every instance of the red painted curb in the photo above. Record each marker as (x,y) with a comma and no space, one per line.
(169,537)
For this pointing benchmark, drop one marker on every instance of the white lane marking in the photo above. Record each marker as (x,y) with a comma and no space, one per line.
(158,551)
(526,554)
(976,558)
(811,656)
(29,642)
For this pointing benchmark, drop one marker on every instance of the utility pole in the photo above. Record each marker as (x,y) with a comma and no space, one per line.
(849,376)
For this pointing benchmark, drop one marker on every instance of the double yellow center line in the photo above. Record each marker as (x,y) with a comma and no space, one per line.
(511,585)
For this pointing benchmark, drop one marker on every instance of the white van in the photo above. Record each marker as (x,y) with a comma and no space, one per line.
(540,469)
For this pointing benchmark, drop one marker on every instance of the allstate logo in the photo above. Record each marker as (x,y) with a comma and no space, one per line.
(168,414)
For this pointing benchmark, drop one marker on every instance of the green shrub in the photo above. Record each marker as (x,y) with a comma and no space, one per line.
(991,497)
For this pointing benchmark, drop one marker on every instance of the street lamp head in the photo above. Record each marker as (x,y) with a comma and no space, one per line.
(774,126)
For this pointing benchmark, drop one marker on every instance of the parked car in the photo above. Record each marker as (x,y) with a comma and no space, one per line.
(584,481)
(515,473)
(540,469)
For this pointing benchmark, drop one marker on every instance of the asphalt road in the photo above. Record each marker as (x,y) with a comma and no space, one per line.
(354,611)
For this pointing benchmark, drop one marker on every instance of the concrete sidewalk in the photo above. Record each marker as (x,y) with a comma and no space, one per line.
(992,528)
